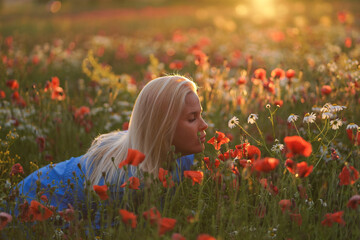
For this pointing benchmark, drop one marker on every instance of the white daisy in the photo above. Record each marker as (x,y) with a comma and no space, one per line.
(309,118)
(316,108)
(337,108)
(277,147)
(252,118)
(327,115)
(352,126)
(335,124)
(233,122)
(292,118)
(326,107)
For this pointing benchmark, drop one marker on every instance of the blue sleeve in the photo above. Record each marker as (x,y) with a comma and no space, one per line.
(61,183)
(184,163)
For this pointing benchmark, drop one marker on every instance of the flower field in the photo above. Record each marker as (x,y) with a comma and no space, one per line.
(280,91)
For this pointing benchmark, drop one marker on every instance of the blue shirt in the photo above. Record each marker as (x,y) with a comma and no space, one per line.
(63,183)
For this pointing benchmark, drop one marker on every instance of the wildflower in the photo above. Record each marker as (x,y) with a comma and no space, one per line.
(219,140)
(165,178)
(41,143)
(233,122)
(260,74)
(81,112)
(335,124)
(16,169)
(292,118)
(211,165)
(39,212)
(300,169)
(125,126)
(352,126)
(348,175)
(336,108)
(205,236)
(297,145)
(195,176)
(266,164)
(5,218)
(309,118)
(278,103)
(128,217)
(296,217)
(101,191)
(278,73)
(277,147)
(269,187)
(68,214)
(165,225)
(353,202)
(241,80)
(353,132)
(134,157)
(290,73)
(248,151)
(176,65)
(2,94)
(326,90)
(132,183)
(252,118)
(12,84)
(327,115)
(285,204)
(177,236)
(331,218)
(153,215)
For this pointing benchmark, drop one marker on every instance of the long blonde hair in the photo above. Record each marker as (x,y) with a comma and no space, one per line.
(151,131)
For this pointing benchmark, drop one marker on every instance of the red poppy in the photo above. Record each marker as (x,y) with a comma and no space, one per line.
(342,16)
(302,191)
(39,212)
(125,126)
(177,236)
(41,143)
(211,165)
(153,215)
(200,57)
(279,103)
(298,169)
(205,236)
(176,65)
(290,73)
(165,225)
(296,218)
(68,214)
(134,157)
(2,94)
(331,218)
(101,191)
(260,211)
(348,175)
(165,178)
(285,204)
(195,176)
(12,84)
(44,198)
(353,136)
(271,188)
(248,151)
(297,145)
(128,217)
(81,112)
(260,73)
(266,164)
(241,80)
(278,73)
(5,218)
(16,169)
(326,90)
(132,183)
(353,202)
(219,140)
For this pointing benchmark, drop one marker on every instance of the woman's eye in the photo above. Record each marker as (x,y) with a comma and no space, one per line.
(191,120)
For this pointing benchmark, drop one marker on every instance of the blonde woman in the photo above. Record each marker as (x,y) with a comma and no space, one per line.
(166,113)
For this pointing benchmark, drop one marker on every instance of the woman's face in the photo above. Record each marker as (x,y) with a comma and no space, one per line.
(190,133)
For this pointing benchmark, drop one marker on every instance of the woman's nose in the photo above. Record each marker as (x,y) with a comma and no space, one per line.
(203,125)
